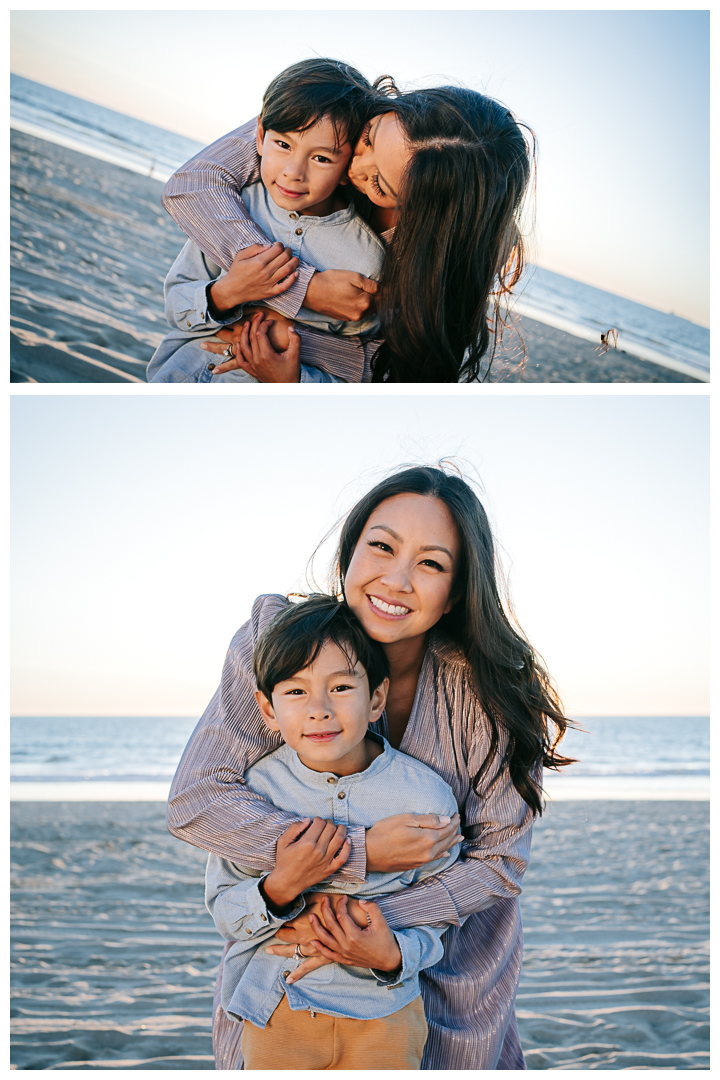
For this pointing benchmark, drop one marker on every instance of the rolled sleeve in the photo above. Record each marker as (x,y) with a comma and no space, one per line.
(240,912)
(420,948)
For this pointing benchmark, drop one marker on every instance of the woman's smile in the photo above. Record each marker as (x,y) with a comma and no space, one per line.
(388,608)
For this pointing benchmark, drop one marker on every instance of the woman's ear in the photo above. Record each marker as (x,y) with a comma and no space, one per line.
(450,604)
(268,713)
(260,137)
(378,700)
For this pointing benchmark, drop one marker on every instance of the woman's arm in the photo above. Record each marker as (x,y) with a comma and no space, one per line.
(497,825)
(210,804)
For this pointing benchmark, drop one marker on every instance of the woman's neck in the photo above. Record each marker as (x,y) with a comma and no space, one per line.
(406,660)
(382,218)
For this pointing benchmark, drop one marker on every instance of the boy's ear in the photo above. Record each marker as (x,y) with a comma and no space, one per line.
(260,137)
(268,713)
(378,700)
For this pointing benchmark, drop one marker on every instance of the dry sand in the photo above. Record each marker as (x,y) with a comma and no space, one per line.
(91,245)
(114,955)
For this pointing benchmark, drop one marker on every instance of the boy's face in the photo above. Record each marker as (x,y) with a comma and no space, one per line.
(323,713)
(300,169)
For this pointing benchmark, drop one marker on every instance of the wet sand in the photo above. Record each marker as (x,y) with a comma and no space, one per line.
(114,955)
(90,247)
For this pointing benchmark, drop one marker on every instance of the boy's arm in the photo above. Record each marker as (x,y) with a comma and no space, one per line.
(420,946)
(203,197)
(236,902)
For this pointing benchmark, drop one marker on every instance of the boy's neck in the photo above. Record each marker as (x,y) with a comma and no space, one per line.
(356,760)
(328,206)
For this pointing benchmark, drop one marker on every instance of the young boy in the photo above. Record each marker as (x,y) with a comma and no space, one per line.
(311,117)
(321,681)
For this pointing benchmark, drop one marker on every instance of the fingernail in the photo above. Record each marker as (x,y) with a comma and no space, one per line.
(206,347)
(444,820)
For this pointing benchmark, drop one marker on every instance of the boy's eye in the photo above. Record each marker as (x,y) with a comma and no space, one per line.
(282,144)
(295,692)
(342,686)
(323,160)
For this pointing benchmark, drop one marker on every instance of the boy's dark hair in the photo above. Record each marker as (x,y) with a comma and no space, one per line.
(306,92)
(295,637)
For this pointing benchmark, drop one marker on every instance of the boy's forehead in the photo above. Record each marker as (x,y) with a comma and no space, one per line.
(320,136)
(332,660)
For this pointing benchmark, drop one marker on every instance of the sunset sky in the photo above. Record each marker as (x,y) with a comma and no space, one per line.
(144,528)
(619,101)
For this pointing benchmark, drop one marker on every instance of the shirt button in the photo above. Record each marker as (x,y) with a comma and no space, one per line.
(211,367)
(294,217)
(298,232)
(248,930)
(285,974)
(188,323)
(332,780)
(264,918)
(341,794)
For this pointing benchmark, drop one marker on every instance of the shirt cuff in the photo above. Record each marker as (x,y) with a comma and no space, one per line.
(255,917)
(355,868)
(420,905)
(290,302)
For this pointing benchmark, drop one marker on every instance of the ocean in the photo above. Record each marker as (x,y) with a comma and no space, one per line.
(551,298)
(128,758)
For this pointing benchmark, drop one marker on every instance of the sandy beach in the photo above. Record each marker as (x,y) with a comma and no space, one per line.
(90,247)
(114,955)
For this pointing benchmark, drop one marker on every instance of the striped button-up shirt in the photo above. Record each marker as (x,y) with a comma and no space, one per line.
(203,197)
(469,995)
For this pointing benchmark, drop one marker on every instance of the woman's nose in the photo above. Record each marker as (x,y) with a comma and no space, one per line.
(397,577)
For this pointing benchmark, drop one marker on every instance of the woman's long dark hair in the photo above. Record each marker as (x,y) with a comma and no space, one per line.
(457,250)
(509,678)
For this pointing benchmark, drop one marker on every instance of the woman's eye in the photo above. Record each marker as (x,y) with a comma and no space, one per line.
(380,544)
(366,133)
(431,562)
(376,186)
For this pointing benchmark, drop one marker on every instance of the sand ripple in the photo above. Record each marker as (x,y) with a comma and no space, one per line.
(615,911)
(114,955)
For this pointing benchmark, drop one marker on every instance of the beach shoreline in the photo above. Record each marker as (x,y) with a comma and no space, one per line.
(114,955)
(90,247)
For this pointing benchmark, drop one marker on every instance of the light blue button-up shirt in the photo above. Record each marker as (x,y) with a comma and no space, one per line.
(253,980)
(339,241)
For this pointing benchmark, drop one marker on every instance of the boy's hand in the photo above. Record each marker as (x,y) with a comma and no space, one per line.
(256,273)
(341,294)
(307,852)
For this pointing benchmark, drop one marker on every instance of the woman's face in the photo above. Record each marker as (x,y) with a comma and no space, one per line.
(400,579)
(380,158)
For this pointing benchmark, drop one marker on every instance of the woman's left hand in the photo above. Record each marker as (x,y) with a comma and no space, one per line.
(254,353)
(340,939)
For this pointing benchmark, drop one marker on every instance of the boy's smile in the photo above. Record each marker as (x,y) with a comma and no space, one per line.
(302,169)
(323,713)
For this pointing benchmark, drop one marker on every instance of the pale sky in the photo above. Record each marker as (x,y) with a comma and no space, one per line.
(144,528)
(619,101)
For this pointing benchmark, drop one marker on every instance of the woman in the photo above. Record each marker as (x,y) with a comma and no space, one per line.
(469,698)
(445,173)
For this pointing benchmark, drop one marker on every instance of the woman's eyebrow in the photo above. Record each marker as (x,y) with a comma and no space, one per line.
(425,547)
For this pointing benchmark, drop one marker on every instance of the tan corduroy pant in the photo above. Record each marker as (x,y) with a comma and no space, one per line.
(297,1040)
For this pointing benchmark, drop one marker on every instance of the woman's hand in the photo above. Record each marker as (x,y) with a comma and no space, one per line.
(257,273)
(406,841)
(254,352)
(339,939)
(341,294)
